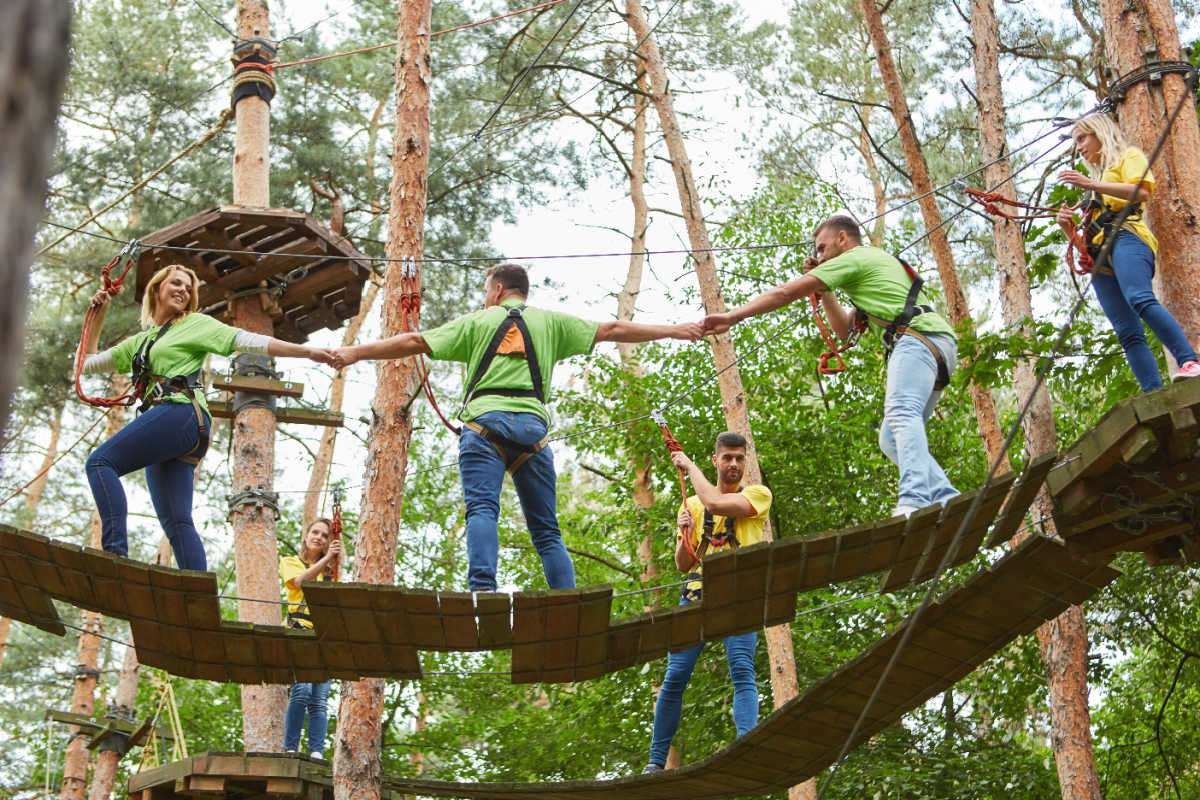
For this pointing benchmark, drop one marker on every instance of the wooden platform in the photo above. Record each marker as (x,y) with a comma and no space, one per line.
(364,630)
(319,274)
(1133,480)
(1034,583)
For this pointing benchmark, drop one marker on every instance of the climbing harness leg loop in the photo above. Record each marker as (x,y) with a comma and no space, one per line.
(503,445)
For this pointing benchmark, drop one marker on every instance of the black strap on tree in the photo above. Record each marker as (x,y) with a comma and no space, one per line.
(535,375)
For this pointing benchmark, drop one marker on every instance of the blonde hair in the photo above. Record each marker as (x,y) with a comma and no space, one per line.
(150,296)
(311,558)
(1112,142)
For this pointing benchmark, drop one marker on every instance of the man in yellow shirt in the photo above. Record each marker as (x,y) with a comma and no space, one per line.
(727,515)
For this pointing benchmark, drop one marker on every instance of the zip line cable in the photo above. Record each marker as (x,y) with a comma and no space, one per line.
(955,182)
(972,511)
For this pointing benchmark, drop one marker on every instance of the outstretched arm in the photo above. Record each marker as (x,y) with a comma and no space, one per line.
(768,301)
(398,346)
(632,332)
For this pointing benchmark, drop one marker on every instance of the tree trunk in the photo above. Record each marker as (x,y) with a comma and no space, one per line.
(358,759)
(337,395)
(733,398)
(5,628)
(34,494)
(1136,32)
(956,301)
(87,675)
(1063,642)
(104,776)
(256,549)
(34,42)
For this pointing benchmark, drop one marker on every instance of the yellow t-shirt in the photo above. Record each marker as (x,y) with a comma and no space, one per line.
(290,567)
(1128,170)
(747,530)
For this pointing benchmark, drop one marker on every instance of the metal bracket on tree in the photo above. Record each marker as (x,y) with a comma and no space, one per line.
(256,496)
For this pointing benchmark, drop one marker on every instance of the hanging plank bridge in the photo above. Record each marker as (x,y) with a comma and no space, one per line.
(1131,483)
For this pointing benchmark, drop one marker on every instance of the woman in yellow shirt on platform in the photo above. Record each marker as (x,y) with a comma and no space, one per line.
(316,561)
(1123,285)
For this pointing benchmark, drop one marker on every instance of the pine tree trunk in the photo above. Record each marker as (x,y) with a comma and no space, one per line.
(33,494)
(34,46)
(5,628)
(1063,641)
(104,776)
(358,759)
(256,548)
(83,694)
(780,651)
(1136,32)
(956,300)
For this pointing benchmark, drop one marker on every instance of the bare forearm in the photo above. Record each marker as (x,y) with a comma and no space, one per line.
(632,332)
(399,346)
(838,318)
(776,298)
(1125,191)
(93,337)
(278,347)
(683,556)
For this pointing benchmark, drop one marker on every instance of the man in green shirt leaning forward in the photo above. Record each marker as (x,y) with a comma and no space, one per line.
(510,351)
(923,350)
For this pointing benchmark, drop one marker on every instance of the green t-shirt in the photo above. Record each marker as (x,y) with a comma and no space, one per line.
(181,350)
(878,284)
(555,337)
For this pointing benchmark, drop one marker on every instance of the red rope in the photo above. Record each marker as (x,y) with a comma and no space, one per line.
(674,447)
(991,202)
(410,316)
(835,350)
(112,286)
(273,67)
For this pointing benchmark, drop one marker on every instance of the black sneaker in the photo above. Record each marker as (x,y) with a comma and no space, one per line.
(651,767)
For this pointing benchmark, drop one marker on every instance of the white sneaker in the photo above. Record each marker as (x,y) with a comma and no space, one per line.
(1189,370)
(904,510)
(315,754)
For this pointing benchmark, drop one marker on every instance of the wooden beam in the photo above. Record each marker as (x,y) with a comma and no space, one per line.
(258,385)
(223,409)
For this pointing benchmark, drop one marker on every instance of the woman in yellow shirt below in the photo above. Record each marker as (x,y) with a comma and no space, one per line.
(316,562)
(1123,284)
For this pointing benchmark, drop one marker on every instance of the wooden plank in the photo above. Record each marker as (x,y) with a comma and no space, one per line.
(495,628)
(458,620)
(425,618)
(1185,430)
(529,636)
(921,527)
(223,409)
(1139,445)
(258,385)
(750,571)
(1022,496)
(687,627)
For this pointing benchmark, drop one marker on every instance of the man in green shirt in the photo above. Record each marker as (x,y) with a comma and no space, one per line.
(922,352)
(510,352)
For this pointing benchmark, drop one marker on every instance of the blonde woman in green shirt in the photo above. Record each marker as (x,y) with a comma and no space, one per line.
(170,437)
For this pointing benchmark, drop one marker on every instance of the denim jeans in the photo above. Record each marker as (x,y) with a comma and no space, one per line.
(1127,297)
(483,471)
(739,654)
(908,404)
(313,698)
(153,441)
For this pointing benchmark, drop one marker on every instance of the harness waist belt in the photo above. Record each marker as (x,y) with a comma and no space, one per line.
(502,442)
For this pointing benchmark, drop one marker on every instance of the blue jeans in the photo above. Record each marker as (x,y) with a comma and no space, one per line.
(1127,297)
(482,471)
(908,404)
(153,441)
(739,654)
(313,698)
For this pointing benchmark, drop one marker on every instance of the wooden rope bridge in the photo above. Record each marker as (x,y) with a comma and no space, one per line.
(1131,483)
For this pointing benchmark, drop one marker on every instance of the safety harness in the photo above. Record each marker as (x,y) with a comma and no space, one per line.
(1097,222)
(893,330)
(708,538)
(512,339)
(159,387)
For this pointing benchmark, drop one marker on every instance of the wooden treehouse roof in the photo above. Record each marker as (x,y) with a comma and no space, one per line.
(317,274)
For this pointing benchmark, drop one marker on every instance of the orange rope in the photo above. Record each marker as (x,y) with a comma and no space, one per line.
(112,286)
(674,447)
(372,48)
(1076,236)
(834,351)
